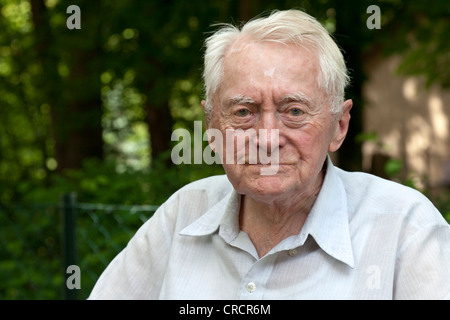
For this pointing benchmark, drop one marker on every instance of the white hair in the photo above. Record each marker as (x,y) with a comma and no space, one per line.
(287,27)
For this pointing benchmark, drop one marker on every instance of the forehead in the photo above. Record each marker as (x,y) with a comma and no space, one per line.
(269,67)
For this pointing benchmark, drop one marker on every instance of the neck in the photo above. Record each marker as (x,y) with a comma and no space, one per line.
(268,223)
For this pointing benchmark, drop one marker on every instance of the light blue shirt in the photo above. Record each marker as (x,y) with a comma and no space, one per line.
(365,238)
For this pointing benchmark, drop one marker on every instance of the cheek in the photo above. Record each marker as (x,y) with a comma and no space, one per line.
(307,142)
(237,176)
(311,143)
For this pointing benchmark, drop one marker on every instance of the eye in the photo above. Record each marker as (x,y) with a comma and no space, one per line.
(295,112)
(242,112)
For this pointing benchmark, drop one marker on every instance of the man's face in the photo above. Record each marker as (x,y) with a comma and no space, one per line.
(272,86)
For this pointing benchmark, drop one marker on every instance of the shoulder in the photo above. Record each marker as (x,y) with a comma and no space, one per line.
(361,183)
(211,188)
(194,199)
(377,196)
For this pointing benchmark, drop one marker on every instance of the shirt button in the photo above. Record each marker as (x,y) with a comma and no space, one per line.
(292,252)
(251,286)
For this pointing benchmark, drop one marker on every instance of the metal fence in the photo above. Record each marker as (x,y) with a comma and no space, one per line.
(39,242)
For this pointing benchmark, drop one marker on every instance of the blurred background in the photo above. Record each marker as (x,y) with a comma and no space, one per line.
(86,117)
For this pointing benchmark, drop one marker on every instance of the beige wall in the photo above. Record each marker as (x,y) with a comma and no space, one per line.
(412,123)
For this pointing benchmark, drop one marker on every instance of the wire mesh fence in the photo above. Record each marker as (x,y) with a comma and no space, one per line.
(38,242)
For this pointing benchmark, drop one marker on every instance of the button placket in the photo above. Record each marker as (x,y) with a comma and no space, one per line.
(254,282)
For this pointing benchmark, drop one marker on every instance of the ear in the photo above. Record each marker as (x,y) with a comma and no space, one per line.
(341,126)
(208,125)
(207,117)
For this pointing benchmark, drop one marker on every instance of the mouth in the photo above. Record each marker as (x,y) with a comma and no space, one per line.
(268,164)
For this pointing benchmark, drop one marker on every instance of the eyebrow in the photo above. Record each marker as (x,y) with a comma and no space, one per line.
(240,99)
(292,97)
(298,97)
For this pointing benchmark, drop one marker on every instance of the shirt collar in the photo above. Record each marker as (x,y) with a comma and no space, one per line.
(327,221)
(225,212)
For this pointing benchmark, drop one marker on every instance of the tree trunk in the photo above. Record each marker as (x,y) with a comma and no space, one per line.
(350,153)
(160,128)
(247,9)
(78,135)
(75,102)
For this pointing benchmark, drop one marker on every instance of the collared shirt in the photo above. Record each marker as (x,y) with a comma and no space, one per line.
(364,238)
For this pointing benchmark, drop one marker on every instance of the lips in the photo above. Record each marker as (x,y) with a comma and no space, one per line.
(268,164)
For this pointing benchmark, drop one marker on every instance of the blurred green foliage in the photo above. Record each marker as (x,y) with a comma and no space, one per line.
(99,182)
(30,258)
(81,110)
(132,58)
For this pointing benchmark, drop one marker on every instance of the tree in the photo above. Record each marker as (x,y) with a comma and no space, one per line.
(70,61)
(168,48)
(418,31)
(57,84)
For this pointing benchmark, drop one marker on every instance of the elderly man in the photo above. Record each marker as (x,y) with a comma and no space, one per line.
(305,231)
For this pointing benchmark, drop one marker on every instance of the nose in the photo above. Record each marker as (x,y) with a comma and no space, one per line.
(270,132)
